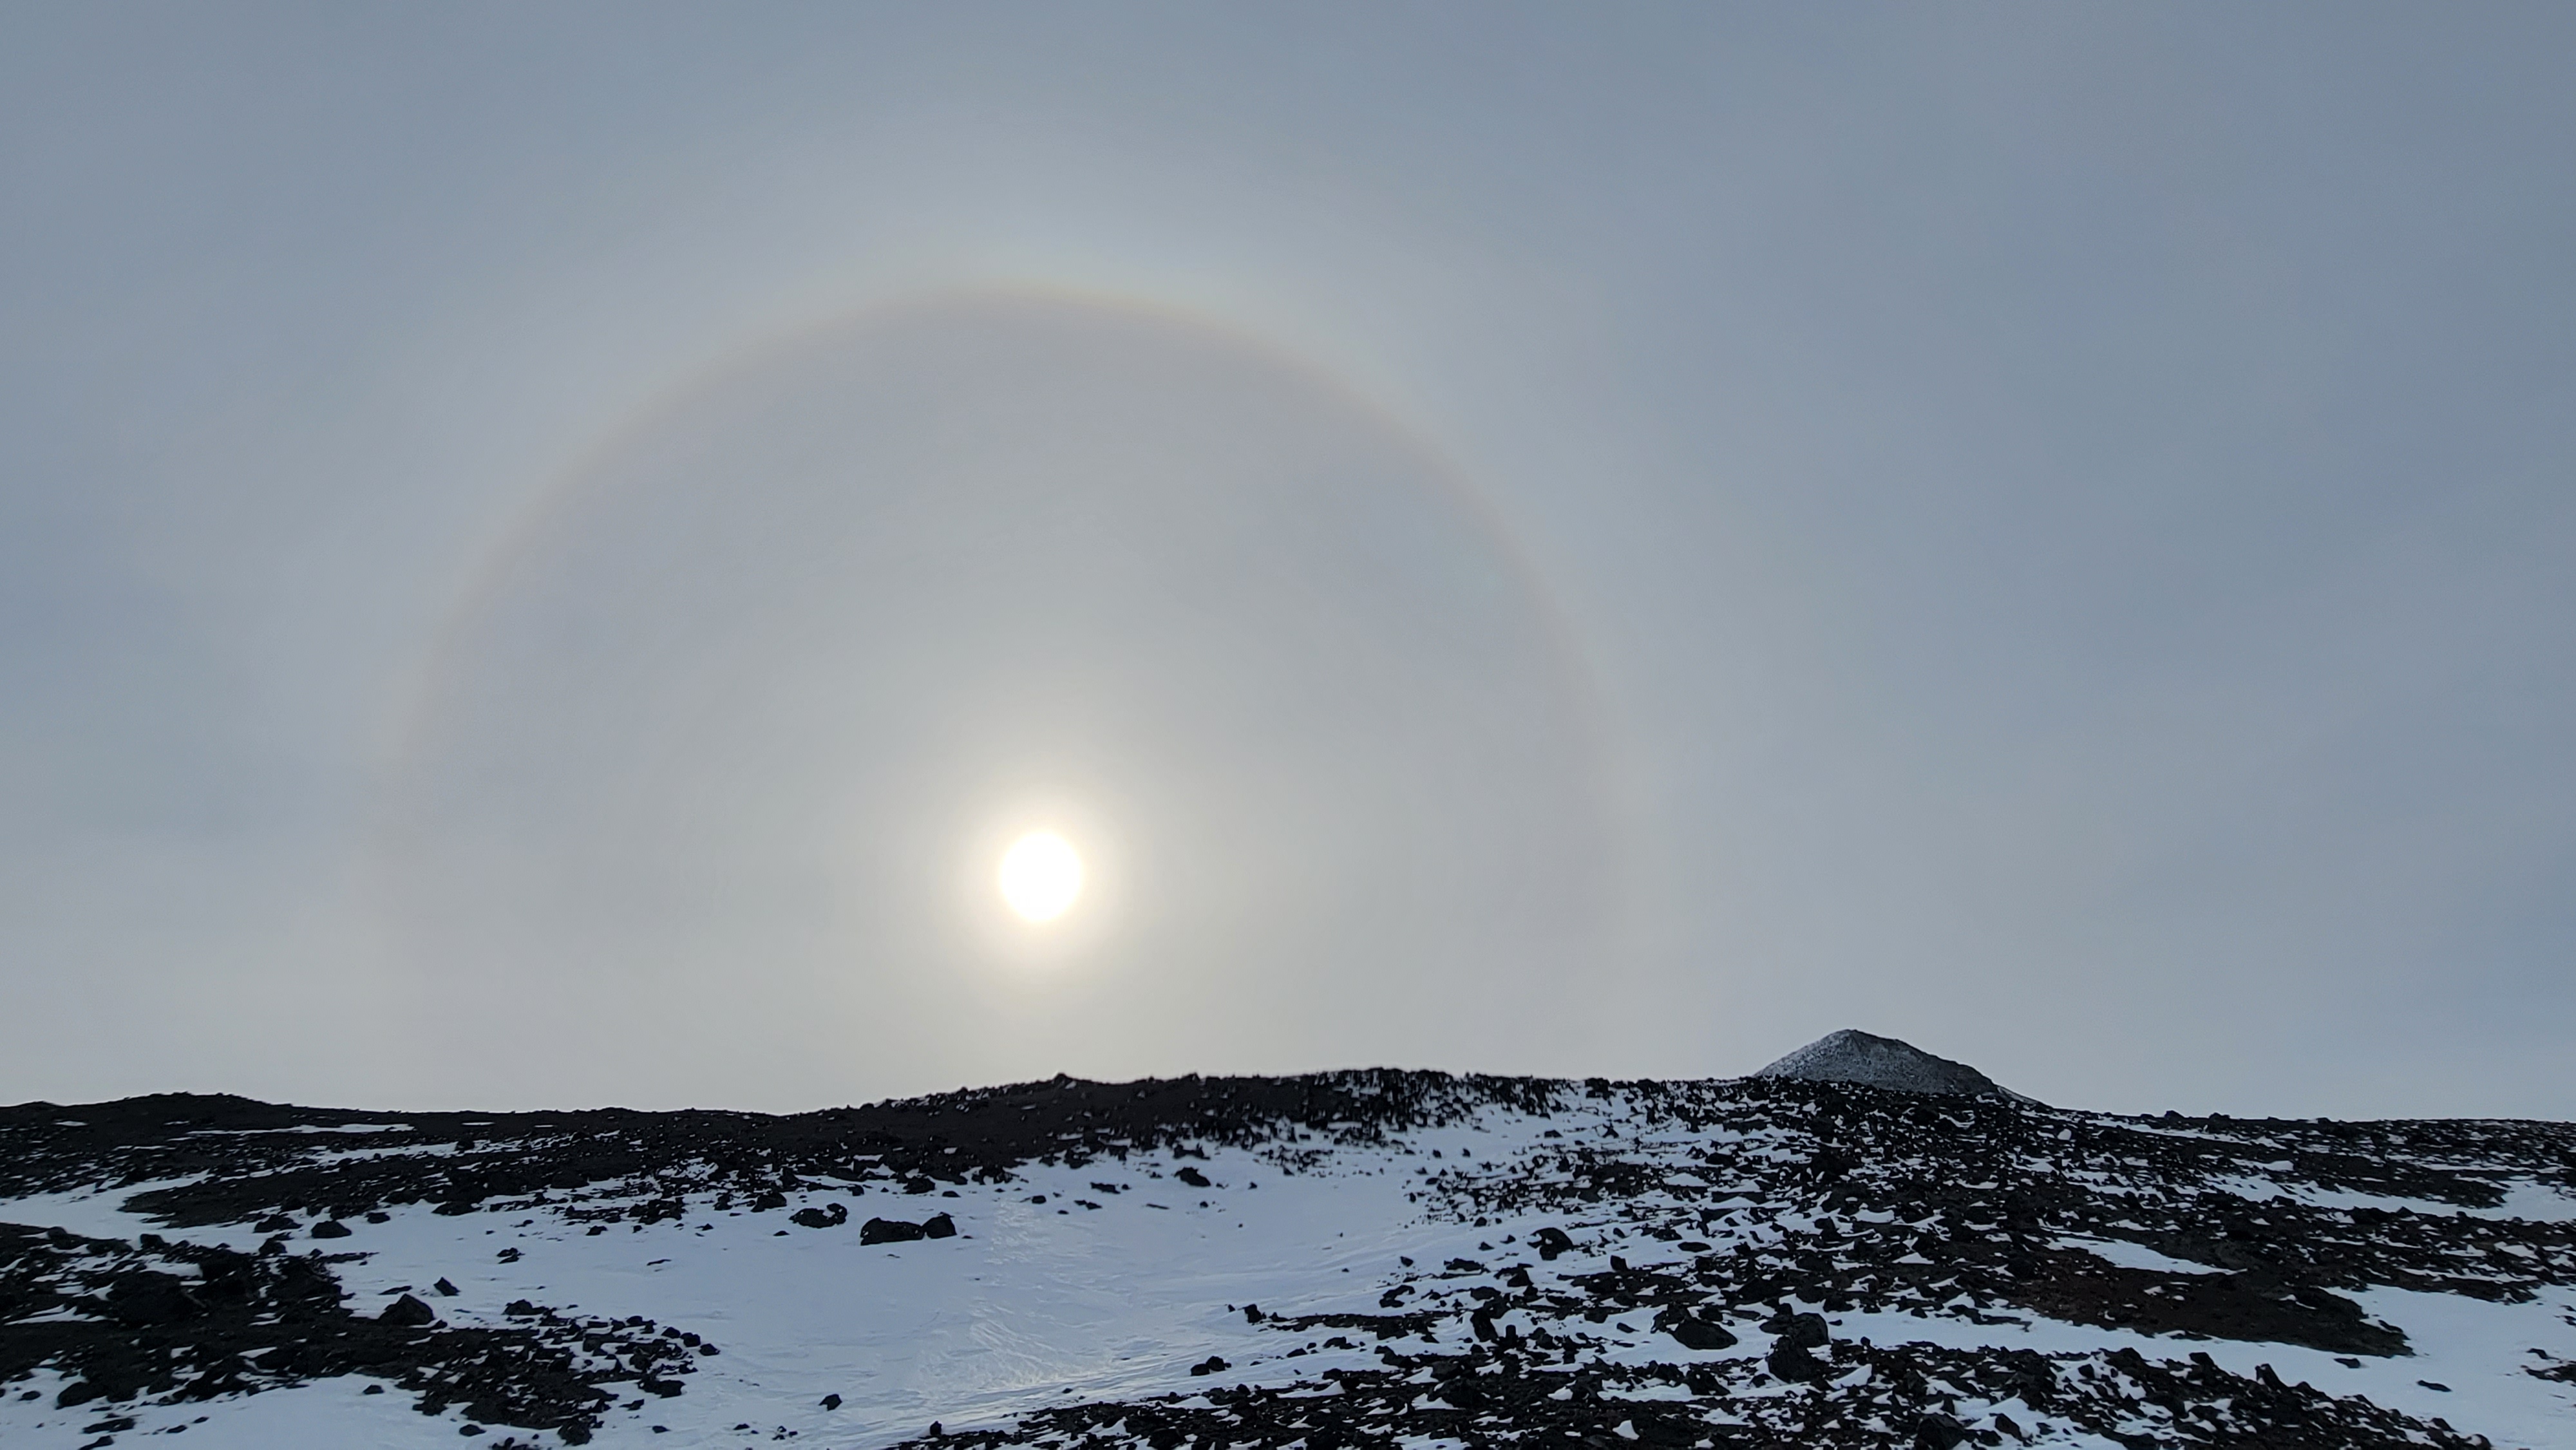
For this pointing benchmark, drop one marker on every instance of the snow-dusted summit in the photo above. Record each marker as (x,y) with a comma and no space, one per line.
(1853,1056)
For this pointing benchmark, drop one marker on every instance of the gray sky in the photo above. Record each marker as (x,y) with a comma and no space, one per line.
(545,550)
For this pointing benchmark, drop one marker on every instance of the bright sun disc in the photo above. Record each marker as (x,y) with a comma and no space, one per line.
(1041,876)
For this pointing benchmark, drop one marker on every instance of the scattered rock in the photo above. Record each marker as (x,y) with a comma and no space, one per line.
(245,1323)
(829,1216)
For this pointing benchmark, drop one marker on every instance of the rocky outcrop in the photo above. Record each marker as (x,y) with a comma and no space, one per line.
(1852,1056)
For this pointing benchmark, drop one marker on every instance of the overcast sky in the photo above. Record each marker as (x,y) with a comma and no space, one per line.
(545,550)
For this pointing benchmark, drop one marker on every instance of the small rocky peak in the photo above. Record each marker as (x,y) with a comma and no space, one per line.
(1885,1062)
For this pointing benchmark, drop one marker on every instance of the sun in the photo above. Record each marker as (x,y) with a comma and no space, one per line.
(1041,876)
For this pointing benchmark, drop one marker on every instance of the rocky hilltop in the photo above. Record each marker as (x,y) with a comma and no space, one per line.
(1853,1056)
(1335,1261)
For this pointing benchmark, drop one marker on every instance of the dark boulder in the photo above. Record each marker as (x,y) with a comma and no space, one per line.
(1795,1364)
(889,1231)
(408,1312)
(1551,1241)
(828,1216)
(1801,1331)
(1693,1331)
(939,1226)
(1792,1355)
(149,1298)
(305,1281)
(330,1228)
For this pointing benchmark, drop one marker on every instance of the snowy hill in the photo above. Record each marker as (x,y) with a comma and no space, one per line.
(1343,1260)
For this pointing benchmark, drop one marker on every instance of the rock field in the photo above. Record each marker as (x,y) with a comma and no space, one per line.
(1341,1260)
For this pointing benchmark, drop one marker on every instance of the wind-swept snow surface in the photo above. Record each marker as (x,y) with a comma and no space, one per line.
(1347,1260)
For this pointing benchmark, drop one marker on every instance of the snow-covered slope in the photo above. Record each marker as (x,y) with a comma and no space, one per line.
(1345,1260)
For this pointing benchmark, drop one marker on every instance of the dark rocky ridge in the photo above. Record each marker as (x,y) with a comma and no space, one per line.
(252,1162)
(1969,1207)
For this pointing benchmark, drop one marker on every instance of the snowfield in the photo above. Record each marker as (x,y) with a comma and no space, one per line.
(1357,1259)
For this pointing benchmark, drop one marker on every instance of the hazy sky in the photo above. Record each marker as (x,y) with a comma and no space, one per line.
(546,550)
